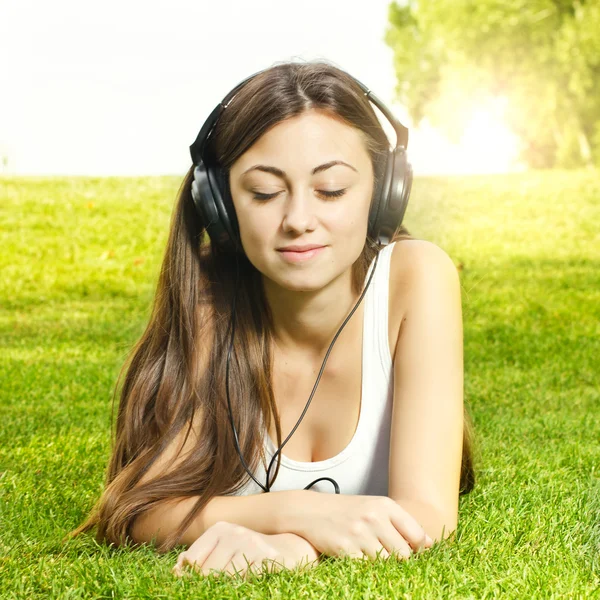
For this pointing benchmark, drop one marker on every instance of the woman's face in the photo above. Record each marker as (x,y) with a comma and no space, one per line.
(292,166)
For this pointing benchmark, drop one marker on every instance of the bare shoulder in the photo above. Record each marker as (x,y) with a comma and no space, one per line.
(413,260)
(420,273)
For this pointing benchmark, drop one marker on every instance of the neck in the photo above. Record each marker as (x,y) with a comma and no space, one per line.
(306,322)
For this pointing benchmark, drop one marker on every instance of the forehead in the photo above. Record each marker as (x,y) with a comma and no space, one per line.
(308,139)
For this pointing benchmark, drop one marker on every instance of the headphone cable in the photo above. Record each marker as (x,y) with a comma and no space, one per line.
(231,327)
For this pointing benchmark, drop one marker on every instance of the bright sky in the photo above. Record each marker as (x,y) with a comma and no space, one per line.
(122,87)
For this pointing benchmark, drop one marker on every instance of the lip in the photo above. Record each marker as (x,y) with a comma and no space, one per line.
(305,248)
(296,256)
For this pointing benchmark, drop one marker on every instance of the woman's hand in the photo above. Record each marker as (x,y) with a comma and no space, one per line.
(224,547)
(358,526)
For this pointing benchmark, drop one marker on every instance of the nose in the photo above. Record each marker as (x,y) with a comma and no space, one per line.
(299,213)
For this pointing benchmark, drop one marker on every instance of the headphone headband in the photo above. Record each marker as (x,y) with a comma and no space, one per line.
(197,147)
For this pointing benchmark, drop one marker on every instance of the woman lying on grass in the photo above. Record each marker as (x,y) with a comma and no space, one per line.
(241,336)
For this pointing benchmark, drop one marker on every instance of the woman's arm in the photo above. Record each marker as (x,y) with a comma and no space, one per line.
(266,513)
(259,512)
(308,521)
(428,412)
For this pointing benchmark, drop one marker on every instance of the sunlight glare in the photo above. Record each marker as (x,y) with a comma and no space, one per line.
(487,145)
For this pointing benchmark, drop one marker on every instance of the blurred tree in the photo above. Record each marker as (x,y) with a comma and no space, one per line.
(543,56)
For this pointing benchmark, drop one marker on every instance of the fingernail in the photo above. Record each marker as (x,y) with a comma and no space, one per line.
(428,539)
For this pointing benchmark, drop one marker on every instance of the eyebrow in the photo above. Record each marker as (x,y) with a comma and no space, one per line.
(282,174)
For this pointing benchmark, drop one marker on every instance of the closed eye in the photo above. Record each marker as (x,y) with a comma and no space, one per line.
(327,194)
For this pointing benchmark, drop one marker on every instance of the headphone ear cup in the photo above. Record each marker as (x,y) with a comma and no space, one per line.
(225,234)
(380,199)
(395,194)
(401,185)
(207,199)
(202,197)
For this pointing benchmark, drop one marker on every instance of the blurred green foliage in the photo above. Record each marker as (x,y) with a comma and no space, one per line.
(543,56)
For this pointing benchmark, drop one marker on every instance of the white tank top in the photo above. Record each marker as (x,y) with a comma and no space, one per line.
(361,468)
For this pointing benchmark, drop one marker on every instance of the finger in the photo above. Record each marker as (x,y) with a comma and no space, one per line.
(370,545)
(401,551)
(186,560)
(258,568)
(182,561)
(272,564)
(394,543)
(408,527)
(177,566)
(355,552)
(373,551)
(239,565)
(218,558)
(265,566)
(179,562)
(198,552)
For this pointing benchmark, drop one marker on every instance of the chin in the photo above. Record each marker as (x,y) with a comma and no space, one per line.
(309,281)
(303,284)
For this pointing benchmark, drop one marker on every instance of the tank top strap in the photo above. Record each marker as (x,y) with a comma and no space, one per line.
(375,333)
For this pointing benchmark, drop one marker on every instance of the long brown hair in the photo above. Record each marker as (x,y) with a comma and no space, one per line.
(163,390)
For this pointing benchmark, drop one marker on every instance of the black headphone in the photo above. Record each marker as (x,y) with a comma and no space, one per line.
(210,187)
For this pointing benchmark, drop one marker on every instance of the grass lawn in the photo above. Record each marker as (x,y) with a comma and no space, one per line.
(79,261)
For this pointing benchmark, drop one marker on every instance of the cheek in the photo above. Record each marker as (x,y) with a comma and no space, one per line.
(351,219)
(256,233)
(253,226)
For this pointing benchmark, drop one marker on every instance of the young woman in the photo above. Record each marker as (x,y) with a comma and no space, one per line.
(240,337)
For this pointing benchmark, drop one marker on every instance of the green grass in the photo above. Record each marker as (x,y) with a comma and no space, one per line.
(79,264)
